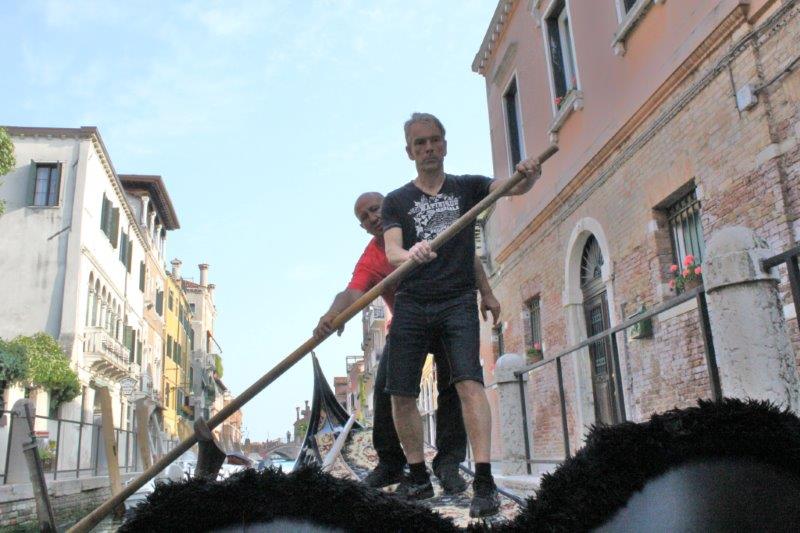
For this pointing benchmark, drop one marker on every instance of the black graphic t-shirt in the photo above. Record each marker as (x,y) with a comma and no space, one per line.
(423,217)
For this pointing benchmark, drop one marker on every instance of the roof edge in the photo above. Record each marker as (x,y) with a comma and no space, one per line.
(494,30)
(157,188)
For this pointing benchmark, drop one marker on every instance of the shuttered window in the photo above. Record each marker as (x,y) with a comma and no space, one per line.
(142,275)
(125,250)
(109,221)
(45,184)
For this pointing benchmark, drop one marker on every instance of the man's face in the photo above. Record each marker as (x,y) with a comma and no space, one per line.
(368,212)
(426,147)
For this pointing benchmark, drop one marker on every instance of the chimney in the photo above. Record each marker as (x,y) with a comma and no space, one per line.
(298,412)
(203,274)
(176,268)
(211,288)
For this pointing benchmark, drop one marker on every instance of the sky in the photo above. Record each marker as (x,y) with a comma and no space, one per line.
(266,119)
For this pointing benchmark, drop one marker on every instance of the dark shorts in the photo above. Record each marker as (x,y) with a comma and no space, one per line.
(449,325)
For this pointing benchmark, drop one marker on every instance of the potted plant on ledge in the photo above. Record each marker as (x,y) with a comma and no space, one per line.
(688,277)
(535,353)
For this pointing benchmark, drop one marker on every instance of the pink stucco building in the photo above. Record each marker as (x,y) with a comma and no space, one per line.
(673,118)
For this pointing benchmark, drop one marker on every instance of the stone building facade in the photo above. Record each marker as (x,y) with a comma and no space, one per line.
(672,123)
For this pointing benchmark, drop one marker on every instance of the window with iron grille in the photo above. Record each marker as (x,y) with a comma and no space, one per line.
(534,326)
(686,230)
(498,343)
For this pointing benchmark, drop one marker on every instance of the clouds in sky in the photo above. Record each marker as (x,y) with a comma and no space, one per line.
(266,119)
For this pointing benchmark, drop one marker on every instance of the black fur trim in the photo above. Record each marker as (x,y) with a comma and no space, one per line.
(307,494)
(586,490)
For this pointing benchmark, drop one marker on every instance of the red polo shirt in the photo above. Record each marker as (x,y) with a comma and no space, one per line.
(371,269)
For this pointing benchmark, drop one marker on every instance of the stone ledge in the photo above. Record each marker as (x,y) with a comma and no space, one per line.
(685,307)
(523,486)
(59,488)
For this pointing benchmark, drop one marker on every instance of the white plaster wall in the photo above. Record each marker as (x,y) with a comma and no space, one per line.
(47,254)
(32,256)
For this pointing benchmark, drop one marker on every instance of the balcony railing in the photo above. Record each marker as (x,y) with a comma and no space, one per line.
(105,354)
(610,335)
(376,314)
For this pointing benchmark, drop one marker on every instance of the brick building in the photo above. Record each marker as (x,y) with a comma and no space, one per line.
(673,120)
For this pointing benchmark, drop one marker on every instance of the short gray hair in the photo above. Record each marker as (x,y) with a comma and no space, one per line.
(422,117)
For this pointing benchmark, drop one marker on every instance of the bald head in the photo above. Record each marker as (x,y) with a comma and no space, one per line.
(367,196)
(368,212)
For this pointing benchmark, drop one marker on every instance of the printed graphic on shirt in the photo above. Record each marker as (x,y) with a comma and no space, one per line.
(433,215)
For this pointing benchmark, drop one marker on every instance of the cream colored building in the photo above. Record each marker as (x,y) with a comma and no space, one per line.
(74,249)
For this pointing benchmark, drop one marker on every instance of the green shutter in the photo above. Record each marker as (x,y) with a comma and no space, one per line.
(129,255)
(133,346)
(58,183)
(122,247)
(114,229)
(31,182)
(139,352)
(104,216)
(141,276)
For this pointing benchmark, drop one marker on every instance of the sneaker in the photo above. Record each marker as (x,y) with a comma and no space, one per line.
(410,490)
(450,480)
(485,500)
(384,475)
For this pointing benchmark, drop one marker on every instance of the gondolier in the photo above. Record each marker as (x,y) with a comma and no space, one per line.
(437,300)
(451,438)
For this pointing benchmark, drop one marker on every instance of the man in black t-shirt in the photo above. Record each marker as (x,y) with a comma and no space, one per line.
(437,300)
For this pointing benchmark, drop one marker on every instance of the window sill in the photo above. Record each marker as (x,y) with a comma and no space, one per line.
(629,23)
(43,206)
(573,101)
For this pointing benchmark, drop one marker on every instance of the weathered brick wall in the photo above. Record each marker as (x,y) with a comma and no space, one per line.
(66,508)
(741,179)
(71,499)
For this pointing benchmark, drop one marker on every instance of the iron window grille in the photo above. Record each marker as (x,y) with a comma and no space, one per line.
(686,230)
(535,321)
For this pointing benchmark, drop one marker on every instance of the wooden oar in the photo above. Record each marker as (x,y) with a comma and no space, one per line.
(93,518)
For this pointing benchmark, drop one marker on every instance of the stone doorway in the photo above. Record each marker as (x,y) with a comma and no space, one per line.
(595,307)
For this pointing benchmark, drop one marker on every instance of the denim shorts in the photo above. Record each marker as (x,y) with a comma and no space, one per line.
(417,325)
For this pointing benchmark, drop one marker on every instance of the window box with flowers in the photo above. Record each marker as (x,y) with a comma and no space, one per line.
(565,105)
(687,276)
(535,354)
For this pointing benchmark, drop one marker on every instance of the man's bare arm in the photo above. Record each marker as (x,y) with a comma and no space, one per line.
(341,301)
(488,301)
(532,170)
(421,252)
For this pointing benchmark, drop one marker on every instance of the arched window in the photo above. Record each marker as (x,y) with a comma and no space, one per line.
(591,267)
(109,313)
(90,300)
(96,306)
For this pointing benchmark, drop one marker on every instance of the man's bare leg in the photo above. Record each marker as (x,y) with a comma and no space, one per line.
(478,422)
(408,424)
(477,418)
